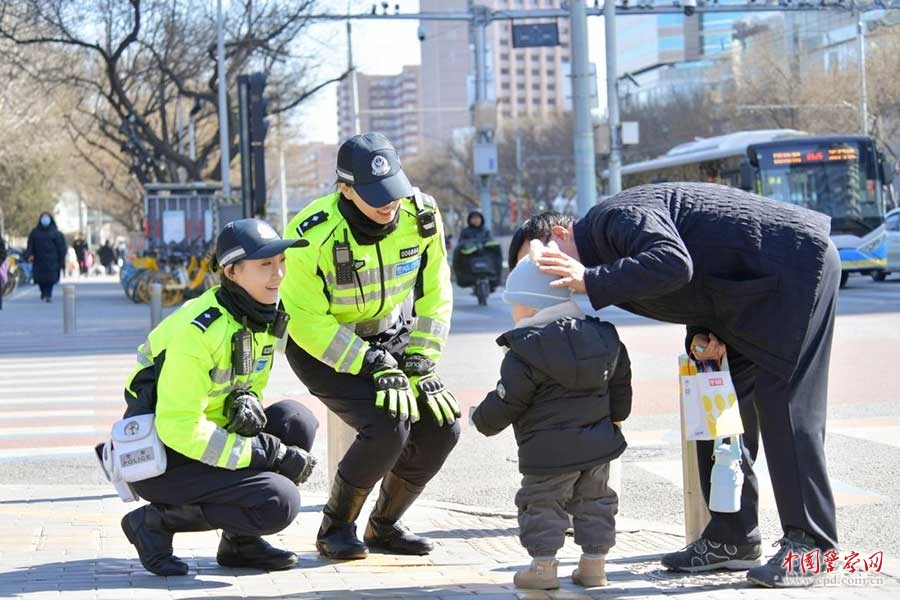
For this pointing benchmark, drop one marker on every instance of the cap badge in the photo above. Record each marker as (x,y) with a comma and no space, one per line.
(265,231)
(380,166)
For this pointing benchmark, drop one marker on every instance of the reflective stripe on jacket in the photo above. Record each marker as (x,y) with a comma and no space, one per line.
(184,373)
(328,318)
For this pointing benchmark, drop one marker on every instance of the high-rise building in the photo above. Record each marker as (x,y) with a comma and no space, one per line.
(386,103)
(311,174)
(530,82)
(525,82)
(446,64)
(672,51)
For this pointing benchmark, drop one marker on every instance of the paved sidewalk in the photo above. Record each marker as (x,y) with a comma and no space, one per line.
(65,541)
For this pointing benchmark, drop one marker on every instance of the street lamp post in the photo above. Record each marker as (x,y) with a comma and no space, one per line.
(585,169)
(863,96)
(612,100)
(224,137)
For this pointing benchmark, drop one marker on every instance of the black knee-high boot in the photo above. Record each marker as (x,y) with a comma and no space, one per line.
(384,530)
(151,528)
(337,534)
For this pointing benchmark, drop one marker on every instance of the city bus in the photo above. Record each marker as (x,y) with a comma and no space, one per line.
(840,175)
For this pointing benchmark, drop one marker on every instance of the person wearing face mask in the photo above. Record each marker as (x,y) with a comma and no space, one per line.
(370,303)
(46,251)
(231,463)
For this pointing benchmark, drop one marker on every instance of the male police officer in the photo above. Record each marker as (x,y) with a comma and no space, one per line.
(370,303)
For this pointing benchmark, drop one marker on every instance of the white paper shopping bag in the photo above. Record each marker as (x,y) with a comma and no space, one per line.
(709,402)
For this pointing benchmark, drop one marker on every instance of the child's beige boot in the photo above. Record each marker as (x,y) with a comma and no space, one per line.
(591,571)
(540,575)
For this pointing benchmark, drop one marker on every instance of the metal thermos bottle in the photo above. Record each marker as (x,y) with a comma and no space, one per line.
(726,479)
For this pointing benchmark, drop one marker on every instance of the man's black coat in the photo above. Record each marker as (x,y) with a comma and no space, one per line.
(711,257)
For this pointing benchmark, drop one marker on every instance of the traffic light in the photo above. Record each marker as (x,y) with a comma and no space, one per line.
(258,105)
(252,106)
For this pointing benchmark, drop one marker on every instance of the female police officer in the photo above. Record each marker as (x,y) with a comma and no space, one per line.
(370,302)
(202,371)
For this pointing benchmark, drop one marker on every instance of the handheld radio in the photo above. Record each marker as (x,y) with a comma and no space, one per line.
(343,261)
(242,352)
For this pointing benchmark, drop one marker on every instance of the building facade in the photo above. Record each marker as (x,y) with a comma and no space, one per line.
(386,103)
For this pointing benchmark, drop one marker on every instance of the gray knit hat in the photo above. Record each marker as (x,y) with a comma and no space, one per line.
(526,285)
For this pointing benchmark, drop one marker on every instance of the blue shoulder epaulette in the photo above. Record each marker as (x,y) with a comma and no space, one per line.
(311,221)
(206,318)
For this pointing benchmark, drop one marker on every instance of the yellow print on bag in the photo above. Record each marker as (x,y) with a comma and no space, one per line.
(714,406)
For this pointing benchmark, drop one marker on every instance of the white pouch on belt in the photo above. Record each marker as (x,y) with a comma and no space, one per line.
(137,451)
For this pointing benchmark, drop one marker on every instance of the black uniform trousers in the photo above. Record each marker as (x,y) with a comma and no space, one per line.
(790,417)
(243,501)
(413,452)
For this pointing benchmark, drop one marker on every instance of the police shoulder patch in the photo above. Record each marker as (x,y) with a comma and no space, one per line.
(206,318)
(311,221)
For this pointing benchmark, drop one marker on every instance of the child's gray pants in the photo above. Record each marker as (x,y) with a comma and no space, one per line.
(546,501)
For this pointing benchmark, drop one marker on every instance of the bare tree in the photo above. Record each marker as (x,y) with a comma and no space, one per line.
(145,75)
(445,172)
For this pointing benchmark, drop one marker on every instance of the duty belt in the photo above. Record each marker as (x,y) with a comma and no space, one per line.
(366,329)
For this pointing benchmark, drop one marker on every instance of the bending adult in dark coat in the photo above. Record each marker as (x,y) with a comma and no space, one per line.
(47,249)
(741,271)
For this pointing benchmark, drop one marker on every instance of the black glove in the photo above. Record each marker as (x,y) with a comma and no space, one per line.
(295,463)
(392,389)
(443,405)
(244,412)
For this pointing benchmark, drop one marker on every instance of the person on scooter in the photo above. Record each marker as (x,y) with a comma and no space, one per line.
(474,232)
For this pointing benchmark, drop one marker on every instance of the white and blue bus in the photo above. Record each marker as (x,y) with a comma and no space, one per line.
(839,175)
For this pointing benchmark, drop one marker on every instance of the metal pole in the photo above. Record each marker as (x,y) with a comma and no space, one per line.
(354,82)
(68,309)
(155,304)
(224,137)
(614,183)
(585,167)
(863,96)
(480,22)
(282,178)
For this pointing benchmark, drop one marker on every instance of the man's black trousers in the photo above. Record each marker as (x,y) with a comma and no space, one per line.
(790,417)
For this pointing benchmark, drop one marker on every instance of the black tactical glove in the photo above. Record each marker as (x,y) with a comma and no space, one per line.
(244,412)
(295,463)
(392,388)
(443,405)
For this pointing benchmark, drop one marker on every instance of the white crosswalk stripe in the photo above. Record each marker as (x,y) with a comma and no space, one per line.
(61,405)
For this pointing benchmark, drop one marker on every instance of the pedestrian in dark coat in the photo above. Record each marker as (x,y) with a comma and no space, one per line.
(47,252)
(744,272)
(565,387)
(107,256)
(81,253)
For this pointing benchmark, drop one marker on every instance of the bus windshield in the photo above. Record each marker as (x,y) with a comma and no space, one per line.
(837,178)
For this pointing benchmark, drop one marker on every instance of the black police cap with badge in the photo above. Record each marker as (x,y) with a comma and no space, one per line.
(369,163)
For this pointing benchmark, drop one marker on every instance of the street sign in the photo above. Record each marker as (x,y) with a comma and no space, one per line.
(485,158)
(535,35)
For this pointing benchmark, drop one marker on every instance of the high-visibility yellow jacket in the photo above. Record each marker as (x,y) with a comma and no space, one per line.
(328,319)
(185,364)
